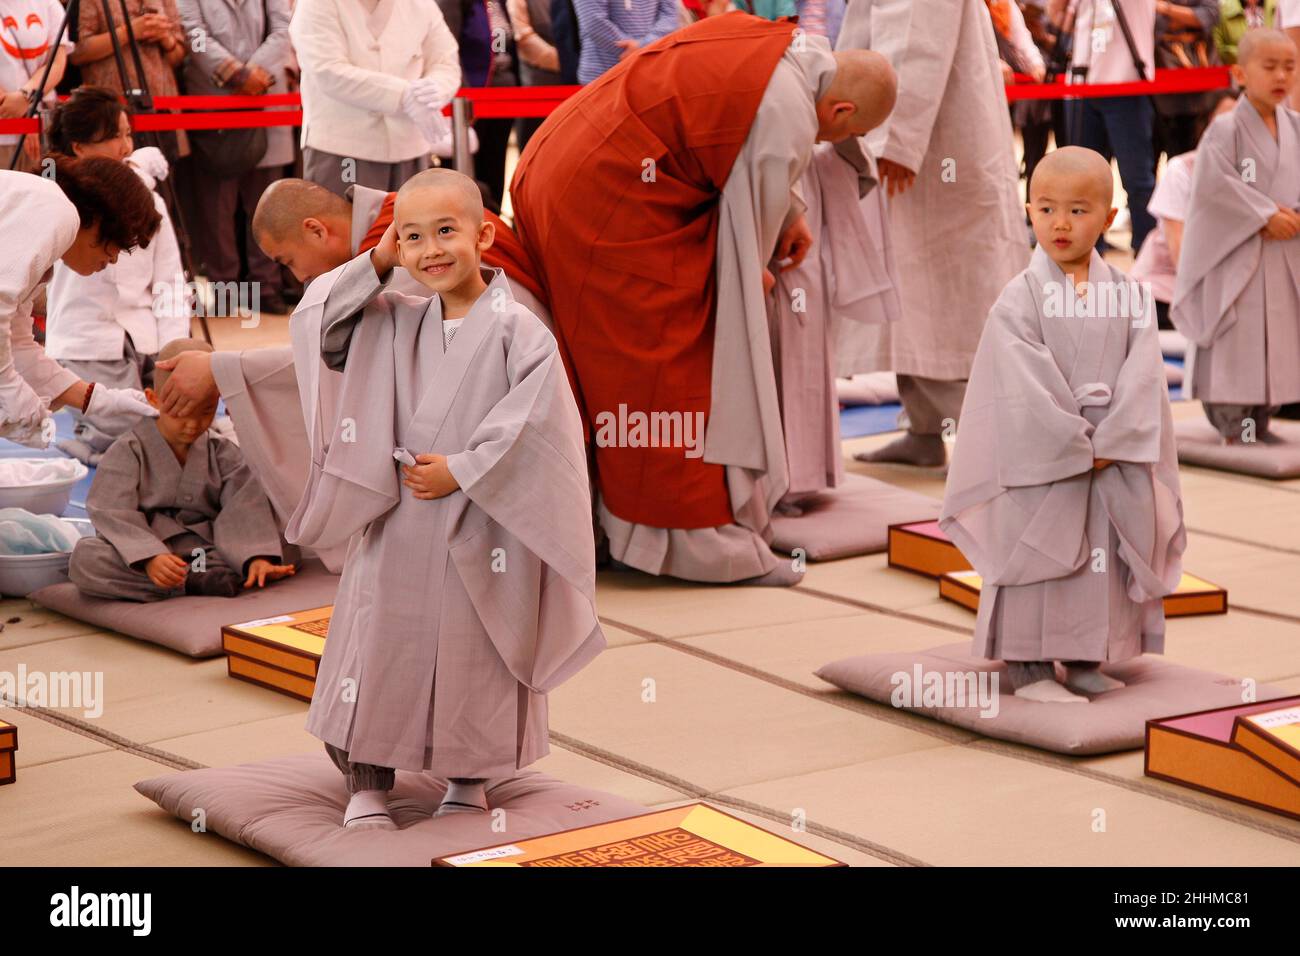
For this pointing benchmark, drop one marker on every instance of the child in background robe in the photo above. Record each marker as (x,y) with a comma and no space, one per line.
(166,493)
(469,587)
(1063,489)
(1237,296)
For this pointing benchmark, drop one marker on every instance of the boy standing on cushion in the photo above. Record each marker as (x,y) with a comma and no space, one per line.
(453,459)
(1237,298)
(176,511)
(1063,489)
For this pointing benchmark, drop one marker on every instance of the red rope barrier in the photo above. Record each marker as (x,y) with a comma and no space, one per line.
(510,102)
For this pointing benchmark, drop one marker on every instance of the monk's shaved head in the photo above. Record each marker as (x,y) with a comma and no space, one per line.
(452,185)
(865,79)
(1073,168)
(1257,40)
(169,351)
(287,202)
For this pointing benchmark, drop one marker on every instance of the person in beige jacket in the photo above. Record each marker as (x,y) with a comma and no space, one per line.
(375,77)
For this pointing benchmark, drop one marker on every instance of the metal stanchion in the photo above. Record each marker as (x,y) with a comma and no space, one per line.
(461,114)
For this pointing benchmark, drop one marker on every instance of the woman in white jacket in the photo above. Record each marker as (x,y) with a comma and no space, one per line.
(108,327)
(85,215)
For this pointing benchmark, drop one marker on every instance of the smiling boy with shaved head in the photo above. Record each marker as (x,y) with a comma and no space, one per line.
(454,454)
(1063,491)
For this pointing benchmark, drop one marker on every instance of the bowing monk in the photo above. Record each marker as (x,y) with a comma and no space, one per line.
(652,202)
(1063,490)
(947,162)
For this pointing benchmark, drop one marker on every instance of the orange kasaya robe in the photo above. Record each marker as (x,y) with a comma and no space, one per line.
(616,201)
(506,251)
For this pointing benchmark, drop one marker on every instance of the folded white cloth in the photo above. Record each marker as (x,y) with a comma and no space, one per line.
(22,532)
(33,472)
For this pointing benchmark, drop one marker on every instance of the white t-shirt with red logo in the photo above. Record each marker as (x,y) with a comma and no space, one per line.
(27,32)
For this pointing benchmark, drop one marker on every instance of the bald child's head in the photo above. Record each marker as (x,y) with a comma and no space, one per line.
(304,227)
(861,96)
(1265,68)
(441,233)
(1070,204)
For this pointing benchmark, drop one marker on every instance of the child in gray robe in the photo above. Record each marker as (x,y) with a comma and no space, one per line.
(176,511)
(1063,490)
(1237,294)
(451,457)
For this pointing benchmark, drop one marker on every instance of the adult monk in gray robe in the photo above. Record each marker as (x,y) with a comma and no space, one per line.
(947,161)
(456,614)
(1063,490)
(652,202)
(206,514)
(1237,293)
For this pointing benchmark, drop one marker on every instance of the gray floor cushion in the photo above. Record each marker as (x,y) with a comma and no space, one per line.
(851,519)
(1109,722)
(192,625)
(291,809)
(1200,444)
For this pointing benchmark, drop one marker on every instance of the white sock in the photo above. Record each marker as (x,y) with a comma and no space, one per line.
(1049,692)
(464,798)
(368,810)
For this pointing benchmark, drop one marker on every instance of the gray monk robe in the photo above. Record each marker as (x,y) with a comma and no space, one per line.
(1237,297)
(1074,561)
(454,616)
(958,232)
(143,502)
(843,282)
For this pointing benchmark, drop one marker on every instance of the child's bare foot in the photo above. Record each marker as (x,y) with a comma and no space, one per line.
(368,810)
(924,451)
(1048,691)
(1090,679)
(463,796)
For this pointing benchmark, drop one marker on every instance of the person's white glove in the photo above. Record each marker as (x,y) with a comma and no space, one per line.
(430,121)
(431,91)
(22,414)
(119,401)
(150,161)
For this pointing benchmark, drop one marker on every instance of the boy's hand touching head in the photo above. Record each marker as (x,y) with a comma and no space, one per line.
(431,478)
(1070,204)
(1265,68)
(440,232)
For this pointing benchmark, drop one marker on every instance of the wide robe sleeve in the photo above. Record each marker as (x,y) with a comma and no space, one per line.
(113,504)
(245,526)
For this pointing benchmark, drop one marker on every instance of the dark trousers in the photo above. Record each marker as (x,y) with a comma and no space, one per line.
(490,160)
(1122,128)
(225,209)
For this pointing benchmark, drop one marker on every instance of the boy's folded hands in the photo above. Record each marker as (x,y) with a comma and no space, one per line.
(431,478)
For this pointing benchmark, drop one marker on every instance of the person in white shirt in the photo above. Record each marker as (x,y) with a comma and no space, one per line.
(86,215)
(375,77)
(108,326)
(28,29)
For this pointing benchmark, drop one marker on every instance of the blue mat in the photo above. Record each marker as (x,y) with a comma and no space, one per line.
(859,420)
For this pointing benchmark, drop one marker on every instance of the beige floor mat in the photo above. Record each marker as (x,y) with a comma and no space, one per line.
(737,717)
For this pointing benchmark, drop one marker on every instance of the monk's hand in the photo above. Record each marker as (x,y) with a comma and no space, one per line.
(794,243)
(261,570)
(1099,463)
(430,478)
(384,256)
(627,46)
(1283,224)
(898,179)
(190,385)
(167,570)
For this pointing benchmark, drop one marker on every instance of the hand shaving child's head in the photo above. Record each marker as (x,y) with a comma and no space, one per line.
(441,234)
(176,429)
(1070,203)
(1265,67)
